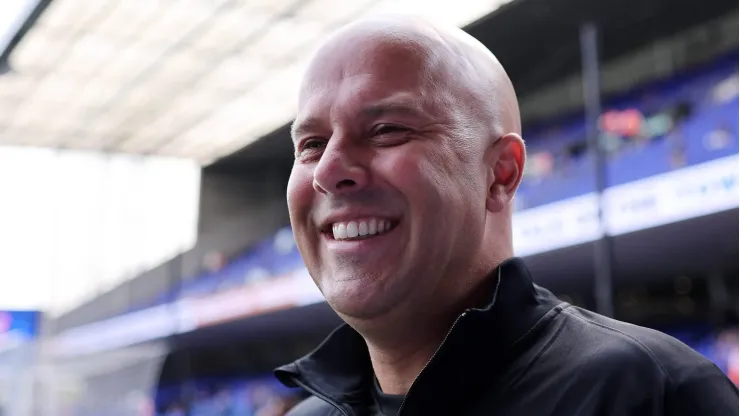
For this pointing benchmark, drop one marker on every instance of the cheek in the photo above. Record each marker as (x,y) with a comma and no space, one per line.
(417,177)
(299,195)
(438,185)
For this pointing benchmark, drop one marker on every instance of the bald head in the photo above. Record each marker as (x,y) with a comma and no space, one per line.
(455,69)
(408,144)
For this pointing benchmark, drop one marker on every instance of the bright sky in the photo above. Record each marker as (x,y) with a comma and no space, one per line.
(73,224)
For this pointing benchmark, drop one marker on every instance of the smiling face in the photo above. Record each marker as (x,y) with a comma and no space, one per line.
(389,193)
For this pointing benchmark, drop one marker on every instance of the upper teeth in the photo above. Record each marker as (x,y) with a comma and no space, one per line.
(360,228)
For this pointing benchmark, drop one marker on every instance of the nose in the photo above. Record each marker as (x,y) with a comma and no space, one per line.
(340,169)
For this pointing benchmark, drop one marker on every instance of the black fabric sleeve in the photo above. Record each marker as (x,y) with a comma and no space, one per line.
(705,390)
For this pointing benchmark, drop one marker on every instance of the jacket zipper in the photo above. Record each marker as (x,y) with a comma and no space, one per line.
(403,403)
(320,396)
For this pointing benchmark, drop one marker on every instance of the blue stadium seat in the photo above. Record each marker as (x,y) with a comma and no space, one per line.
(688,144)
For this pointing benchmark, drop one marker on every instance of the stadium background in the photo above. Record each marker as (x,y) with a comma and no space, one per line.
(183,302)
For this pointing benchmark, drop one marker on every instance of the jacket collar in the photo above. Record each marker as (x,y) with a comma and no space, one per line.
(479,345)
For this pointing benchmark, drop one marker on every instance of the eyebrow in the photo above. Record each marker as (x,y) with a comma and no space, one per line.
(300,127)
(402,104)
(397,105)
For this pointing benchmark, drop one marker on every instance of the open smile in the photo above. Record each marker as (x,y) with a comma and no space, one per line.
(360,229)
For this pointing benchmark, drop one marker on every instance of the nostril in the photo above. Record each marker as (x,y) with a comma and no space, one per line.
(346,183)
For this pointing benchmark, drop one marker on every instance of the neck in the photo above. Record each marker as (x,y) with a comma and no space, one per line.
(402,344)
(398,360)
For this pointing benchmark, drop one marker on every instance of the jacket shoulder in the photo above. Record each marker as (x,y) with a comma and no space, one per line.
(692,384)
(636,345)
(313,406)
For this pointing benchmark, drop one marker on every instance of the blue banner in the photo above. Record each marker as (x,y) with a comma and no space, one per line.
(19,325)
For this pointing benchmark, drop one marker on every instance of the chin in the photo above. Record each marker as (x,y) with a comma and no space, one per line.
(359,298)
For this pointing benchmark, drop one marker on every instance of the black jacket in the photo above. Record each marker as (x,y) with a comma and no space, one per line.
(525,354)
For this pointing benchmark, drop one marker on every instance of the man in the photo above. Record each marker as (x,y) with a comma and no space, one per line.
(408,154)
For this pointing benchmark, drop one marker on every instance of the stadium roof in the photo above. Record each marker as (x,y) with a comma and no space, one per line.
(537,41)
(197,79)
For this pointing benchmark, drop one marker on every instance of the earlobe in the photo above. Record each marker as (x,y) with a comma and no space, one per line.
(497,198)
(493,194)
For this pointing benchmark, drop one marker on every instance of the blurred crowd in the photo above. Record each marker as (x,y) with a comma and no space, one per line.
(237,399)
(647,119)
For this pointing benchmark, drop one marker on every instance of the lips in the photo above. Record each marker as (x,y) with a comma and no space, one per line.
(361,229)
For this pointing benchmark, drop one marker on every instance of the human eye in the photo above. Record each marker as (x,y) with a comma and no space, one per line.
(385,129)
(311,146)
(389,135)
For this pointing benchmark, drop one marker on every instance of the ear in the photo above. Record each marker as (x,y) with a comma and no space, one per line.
(505,158)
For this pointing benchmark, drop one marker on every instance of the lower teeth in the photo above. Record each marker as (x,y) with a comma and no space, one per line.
(359,237)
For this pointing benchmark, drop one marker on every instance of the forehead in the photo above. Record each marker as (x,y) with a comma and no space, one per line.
(363,69)
(377,53)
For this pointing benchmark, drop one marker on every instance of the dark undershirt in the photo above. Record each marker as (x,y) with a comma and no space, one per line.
(385,404)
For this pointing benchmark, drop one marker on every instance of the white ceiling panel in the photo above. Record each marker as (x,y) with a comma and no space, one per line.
(96,92)
(131,61)
(71,14)
(233,74)
(14,87)
(40,52)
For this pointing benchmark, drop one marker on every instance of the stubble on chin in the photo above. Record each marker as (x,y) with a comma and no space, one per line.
(357,294)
